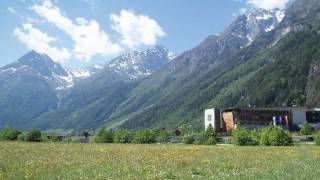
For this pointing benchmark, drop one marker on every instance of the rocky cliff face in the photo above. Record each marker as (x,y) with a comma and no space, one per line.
(137,64)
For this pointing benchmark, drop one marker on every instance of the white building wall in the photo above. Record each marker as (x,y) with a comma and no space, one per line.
(209,118)
(299,117)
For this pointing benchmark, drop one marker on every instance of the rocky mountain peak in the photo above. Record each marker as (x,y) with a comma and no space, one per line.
(241,33)
(41,63)
(138,64)
(260,20)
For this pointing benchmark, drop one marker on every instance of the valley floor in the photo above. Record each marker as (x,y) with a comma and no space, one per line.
(20,160)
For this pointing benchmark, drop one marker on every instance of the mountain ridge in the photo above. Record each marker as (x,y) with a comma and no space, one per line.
(54,82)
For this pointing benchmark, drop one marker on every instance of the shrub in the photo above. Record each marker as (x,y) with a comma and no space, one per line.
(275,136)
(145,136)
(44,137)
(201,138)
(163,136)
(255,136)
(123,136)
(9,134)
(241,137)
(21,137)
(317,139)
(210,131)
(211,141)
(204,138)
(67,139)
(264,140)
(185,130)
(103,136)
(306,129)
(34,135)
(207,137)
(53,137)
(211,135)
(188,139)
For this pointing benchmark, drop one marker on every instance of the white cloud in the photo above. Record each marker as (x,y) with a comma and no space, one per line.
(40,41)
(24,18)
(136,30)
(243,10)
(10,9)
(88,37)
(268,4)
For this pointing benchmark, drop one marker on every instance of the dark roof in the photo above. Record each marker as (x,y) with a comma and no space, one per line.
(272,109)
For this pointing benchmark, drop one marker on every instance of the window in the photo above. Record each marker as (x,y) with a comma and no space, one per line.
(209,117)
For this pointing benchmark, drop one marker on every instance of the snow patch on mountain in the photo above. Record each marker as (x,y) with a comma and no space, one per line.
(11,70)
(134,64)
(261,20)
(74,75)
(172,55)
(139,64)
(280,15)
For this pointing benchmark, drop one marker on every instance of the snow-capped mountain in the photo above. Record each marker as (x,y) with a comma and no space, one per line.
(139,64)
(134,65)
(251,24)
(35,84)
(238,35)
(262,20)
(76,74)
(81,73)
(36,65)
(35,62)
(27,88)
(42,66)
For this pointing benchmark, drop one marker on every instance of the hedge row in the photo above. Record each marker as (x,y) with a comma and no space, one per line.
(270,136)
(147,136)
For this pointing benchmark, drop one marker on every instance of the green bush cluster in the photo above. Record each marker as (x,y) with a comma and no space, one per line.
(145,136)
(275,136)
(103,136)
(270,136)
(306,129)
(123,136)
(163,136)
(32,135)
(188,139)
(207,137)
(241,137)
(317,139)
(9,134)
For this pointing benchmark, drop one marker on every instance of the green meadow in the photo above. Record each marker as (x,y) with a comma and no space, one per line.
(20,160)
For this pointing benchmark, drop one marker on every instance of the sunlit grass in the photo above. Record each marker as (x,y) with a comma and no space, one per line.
(113,161)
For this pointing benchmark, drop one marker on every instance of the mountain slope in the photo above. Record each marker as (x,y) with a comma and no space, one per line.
(173,95)
(279,68)
(92,100)
(137,64)
(27,89)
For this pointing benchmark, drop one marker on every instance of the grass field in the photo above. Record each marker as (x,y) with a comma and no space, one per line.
(113,161)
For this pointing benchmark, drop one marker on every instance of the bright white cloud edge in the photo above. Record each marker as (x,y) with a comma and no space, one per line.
(40,41)
(89,39)
(268,4)
(136,30)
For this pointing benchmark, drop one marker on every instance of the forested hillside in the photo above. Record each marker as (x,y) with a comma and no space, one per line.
(279,68)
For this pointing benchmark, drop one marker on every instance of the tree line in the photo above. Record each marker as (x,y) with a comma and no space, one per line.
(269,136)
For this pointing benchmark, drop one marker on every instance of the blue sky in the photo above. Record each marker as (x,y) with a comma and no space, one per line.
(83,32)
